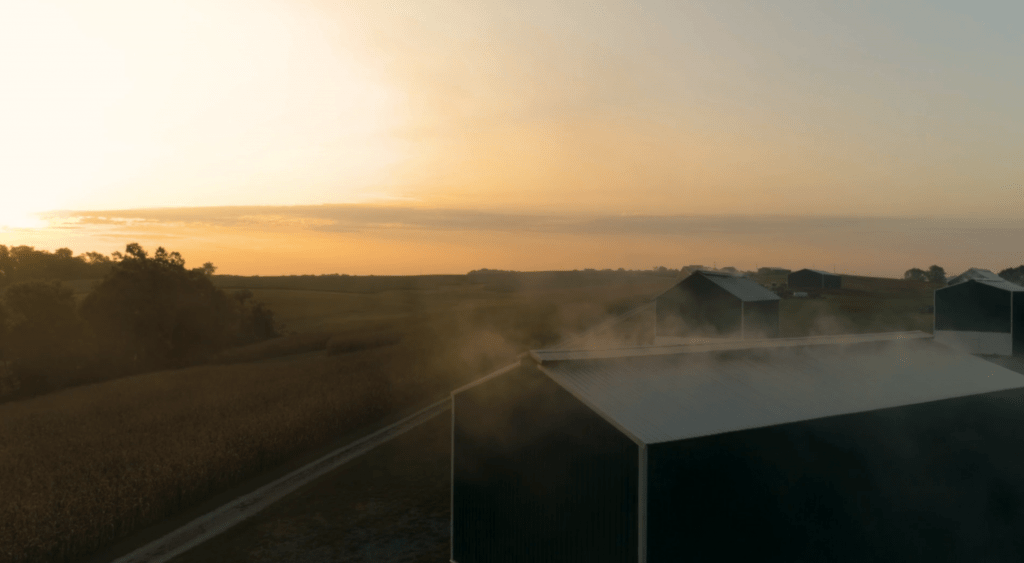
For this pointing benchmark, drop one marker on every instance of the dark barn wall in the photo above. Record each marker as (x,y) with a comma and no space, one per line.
(936,482)
(761,319)
(1018,324)
(697,307)
(813,280)
(805,278)
(539,477)
(972,307)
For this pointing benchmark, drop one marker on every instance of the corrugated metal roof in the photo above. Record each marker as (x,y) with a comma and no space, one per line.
(674,397)
(1001,284)
(996,282)
(975,274)
(724,345)
(744,288)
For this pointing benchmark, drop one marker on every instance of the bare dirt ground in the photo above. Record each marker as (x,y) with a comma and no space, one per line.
(390,505)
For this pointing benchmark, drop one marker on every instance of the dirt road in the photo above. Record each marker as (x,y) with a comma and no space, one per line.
(237,511)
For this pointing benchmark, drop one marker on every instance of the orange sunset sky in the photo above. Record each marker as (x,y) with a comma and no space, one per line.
(407,137)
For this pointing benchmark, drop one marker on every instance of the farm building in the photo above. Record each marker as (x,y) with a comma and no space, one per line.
(714,304)
(814,279)
(983,314)
(974,274)
(856,448)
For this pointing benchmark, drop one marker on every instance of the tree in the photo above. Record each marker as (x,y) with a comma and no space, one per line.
(43,334)
(208,269)
(96,258)
(1014,275)
(936,274)
(24,263)
(152,312)
(915,274)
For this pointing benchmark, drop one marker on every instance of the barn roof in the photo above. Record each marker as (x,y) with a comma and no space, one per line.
(745,289)
(674,394)
(974,274)
(723,345)
(995,281)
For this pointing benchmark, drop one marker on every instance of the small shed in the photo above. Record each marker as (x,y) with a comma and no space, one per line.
(855,448)
(981,314)
(814,279)
(717,305)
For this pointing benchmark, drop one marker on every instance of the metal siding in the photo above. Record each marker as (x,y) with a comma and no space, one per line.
(452,491)
(1018,324)
(642,507)
(665,398)
(805,278)
(696,306)
(539,477)
(928,482)
(972,306)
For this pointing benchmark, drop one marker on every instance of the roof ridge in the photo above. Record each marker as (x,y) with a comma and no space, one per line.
(541,356)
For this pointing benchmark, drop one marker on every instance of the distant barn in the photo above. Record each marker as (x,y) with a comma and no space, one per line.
(814,279)
(981,313)
(717,305)
(856,448)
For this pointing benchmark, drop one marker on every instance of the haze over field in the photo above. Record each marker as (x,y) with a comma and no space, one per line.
(418,137)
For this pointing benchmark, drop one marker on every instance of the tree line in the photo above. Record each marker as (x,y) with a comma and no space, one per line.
(147,313)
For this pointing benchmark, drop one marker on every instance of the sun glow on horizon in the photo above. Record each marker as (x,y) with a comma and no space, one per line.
(15,219)
(118,104)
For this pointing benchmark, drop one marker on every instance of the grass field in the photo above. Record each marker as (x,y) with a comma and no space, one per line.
(863,305)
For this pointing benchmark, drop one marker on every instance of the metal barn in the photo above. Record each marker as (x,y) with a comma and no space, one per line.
(981,315)
(869,447)
(814,279)
(716,305)
(974,274)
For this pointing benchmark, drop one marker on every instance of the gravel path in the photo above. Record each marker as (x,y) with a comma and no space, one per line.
(211,524)
(392,505)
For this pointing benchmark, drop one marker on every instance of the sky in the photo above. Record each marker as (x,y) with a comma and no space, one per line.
(312,136)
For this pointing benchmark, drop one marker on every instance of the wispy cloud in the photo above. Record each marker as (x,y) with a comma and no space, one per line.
(363,218)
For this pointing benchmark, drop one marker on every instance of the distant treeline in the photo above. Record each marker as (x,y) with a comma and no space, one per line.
(148,313)
(21,263)
(496,280)
(340,282)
